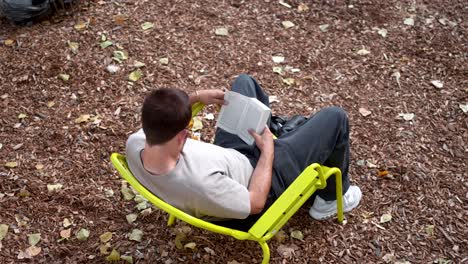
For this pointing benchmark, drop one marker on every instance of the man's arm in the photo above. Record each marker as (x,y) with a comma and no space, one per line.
(260,183)
(207,97)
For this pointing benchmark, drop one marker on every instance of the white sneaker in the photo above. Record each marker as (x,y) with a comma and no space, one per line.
(324,209)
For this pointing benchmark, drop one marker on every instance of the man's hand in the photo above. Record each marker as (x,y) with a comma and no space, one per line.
(265,141)
(208,97)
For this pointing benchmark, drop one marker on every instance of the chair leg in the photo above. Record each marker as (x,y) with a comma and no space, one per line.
(171,220)
(339,196)
(266,252)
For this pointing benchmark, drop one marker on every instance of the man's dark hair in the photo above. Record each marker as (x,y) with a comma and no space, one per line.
(165,113)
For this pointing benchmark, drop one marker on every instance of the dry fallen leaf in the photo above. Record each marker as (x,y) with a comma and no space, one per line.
(364,112)
(289,81)
(407,116)
(197,124)
(287,24)
(128,259)
(363,52)
(136,235)
(64,77)
(39,166)
(73,46)
(324,27)
(81,25)
(83,234)
(3,231)
(106,237)
(66,233)
(131,218)
(147,25)
(463,107)
(66,223)
(409,21)
(33,239)
(385,218)
(221,31)
(302,8)
(285,252)
(437,84)
(190,245)
(33,251)
(164,61)
(11,164)
(277,59)
(9,42)
(297,235)
(113,256)
(135,75)
(54,187)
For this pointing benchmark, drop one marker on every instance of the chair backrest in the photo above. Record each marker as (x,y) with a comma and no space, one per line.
(288,203)
(120,163)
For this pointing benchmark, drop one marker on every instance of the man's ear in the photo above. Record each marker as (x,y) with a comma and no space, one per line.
(181,136)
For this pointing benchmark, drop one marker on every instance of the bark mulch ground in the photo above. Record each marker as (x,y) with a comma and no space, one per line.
(376,59)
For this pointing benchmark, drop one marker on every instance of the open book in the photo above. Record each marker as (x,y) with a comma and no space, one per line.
(241,114)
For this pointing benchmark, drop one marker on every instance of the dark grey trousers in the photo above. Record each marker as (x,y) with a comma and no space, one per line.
(324,139)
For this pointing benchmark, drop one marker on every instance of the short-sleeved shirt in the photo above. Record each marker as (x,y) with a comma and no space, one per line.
(208,181)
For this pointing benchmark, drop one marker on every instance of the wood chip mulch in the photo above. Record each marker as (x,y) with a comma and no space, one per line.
(409,148)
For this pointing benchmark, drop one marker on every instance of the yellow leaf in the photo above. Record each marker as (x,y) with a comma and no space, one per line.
(54,187)
(106,237)
(164,61)
(289,81)
(104,249)
(73,46)
(82,119)
(135,75)
(385,218)
(64,77)
(3,231)
(128,259)
(9,42)
(297,235)
(114,256)
(197,123)
(190,245)
(80,25)
(281,236)
(12,164)
(22,116)
(66,223)
(50,104)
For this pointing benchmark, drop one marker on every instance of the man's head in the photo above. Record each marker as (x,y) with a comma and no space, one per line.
(165,113)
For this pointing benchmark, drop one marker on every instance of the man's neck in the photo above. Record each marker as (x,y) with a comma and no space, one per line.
(160,159)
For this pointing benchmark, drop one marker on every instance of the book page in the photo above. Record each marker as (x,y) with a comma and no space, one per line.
(256,118)
(231,114)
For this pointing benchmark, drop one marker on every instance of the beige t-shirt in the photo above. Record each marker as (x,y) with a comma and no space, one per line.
(208,182)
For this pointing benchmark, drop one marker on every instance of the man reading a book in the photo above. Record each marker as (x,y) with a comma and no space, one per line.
(231,179)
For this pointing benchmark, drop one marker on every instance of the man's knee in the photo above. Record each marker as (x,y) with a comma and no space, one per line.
(335,113)
(243,79)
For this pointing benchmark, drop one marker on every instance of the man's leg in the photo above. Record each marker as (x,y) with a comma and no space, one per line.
(248,86)
(323,139)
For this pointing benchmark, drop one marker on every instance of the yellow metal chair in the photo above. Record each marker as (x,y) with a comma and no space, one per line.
(311,179)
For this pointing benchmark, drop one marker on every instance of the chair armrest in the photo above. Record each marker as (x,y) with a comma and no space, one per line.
(289,202)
